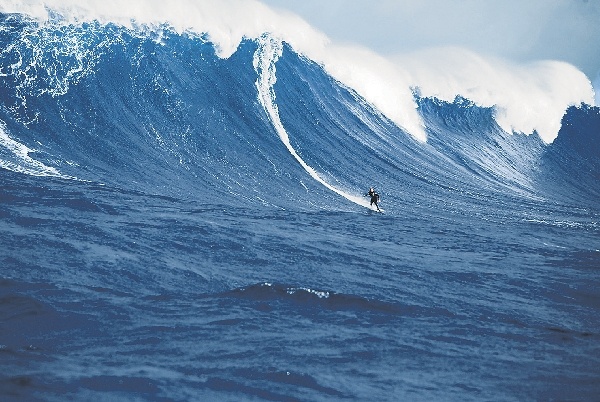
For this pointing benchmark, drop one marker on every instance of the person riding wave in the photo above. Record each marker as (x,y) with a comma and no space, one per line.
(374,197)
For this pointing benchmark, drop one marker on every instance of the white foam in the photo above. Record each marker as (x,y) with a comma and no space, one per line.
(14,156)
(226,22)
(527,97)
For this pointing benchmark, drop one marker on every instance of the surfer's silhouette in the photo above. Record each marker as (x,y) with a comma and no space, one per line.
(374,197)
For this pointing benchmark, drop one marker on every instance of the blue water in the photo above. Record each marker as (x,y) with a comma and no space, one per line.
(160,241)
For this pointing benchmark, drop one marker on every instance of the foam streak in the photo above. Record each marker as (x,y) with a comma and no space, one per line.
(267,54)
(14,156)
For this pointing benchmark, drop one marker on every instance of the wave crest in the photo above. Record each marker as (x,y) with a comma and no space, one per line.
(528,97)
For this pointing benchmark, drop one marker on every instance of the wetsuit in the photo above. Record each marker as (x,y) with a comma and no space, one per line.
(374,198)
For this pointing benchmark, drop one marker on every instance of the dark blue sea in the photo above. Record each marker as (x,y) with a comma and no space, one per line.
(177,226)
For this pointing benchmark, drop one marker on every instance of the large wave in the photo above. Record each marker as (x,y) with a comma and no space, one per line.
(239,115)
(528,97)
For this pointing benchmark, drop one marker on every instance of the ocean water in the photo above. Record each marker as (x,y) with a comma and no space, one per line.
(179,226)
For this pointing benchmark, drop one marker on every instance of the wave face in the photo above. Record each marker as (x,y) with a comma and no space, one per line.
(158,110)
(153,191)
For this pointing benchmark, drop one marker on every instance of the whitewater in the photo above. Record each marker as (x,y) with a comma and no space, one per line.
(183,213)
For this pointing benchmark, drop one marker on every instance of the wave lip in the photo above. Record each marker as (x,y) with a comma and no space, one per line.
(528,97)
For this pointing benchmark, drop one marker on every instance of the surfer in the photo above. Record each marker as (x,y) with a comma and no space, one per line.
(374,197)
